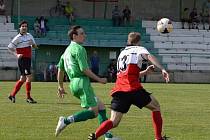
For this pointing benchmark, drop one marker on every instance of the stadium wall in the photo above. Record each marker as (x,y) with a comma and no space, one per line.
(182,77)
(9,75)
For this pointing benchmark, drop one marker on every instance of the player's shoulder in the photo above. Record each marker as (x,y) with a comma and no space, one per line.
(29,34)
(134,48)
(17,37)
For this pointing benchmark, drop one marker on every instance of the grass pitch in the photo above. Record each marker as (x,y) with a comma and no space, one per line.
(185,110)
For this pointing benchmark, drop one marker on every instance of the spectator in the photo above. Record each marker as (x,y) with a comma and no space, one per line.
(116,18)
(126,15)
(43,25)
(112,71)
(59,7)
(53,71)
(144,67)
(37,30)
(193,19)
(94,60)
(185,17)
(69,12)
(205,17)
(3,10)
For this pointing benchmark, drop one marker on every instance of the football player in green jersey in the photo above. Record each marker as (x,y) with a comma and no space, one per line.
(74,63)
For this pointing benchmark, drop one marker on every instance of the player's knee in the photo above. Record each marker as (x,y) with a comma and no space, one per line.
(115,123)
(22,78)
(28,78)
(95,110)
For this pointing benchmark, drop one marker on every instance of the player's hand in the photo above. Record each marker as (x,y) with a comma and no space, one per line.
(165,75)
(19,55)
(61,92)
(150,69)
(103,80)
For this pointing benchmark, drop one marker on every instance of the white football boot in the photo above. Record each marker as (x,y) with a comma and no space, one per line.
(60,126)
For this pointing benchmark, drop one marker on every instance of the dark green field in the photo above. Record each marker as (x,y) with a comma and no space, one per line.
(185,110)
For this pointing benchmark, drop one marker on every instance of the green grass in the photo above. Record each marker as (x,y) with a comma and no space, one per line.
(185,110)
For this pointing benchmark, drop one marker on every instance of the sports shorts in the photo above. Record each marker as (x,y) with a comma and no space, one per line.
(82,89)
(121,101)
(24,65)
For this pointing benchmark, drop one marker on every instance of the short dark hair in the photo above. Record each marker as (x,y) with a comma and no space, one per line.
(73,30)
(23,22)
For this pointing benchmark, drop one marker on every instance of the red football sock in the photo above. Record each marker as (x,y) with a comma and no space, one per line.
(157,124)
(17,87)
(103,128)
(28,89)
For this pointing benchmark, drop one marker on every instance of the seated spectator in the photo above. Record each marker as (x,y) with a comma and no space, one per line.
(185,17)
(126,15)
(144,67)
(112,71)
(59,5)
(194,19)
(69,12)
(37,30)
(53,71)
(116,17)
(43,25)
(94,61)
(205,17)
(3,10)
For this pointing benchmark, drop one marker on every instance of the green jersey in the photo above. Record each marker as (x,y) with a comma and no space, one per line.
(74,60)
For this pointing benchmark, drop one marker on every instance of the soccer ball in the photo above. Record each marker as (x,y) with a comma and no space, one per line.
(164,25)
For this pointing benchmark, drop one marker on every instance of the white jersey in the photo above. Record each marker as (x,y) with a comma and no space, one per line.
(128,67)
(131,55)
(22,44)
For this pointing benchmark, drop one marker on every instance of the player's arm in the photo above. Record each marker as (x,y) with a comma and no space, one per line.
(82,60)
(90,74)
(32,42)
(60,77)
(12,48)
(34,46)
(148,70)
(12,51)
(155,62)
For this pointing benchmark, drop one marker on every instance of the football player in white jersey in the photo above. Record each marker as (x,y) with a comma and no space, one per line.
(129,91)
(20,47)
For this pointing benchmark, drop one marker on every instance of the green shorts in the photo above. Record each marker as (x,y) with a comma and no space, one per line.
(82,89)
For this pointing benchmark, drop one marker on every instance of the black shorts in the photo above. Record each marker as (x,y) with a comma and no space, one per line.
(24,65)
(122,101)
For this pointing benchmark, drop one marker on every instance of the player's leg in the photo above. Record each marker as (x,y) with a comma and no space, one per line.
(27,73)
(107,125)
(120,104)
(81,89)
(102,116)
(154,106)
(28,90)
(16,88)
(20,82)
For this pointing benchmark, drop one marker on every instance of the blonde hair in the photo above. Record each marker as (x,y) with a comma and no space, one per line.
(134,38)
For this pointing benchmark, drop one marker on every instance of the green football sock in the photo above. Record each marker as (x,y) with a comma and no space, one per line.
(102,116)
(80,116)
(84,115)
